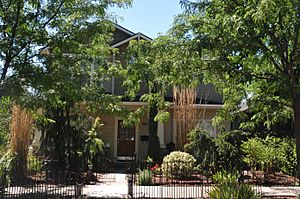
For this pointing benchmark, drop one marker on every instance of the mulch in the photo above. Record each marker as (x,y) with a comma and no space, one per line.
(249,177)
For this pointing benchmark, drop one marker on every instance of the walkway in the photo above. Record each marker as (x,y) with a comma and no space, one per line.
(118,188)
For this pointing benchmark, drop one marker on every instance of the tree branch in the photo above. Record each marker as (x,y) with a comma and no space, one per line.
(295,51)
(266,50)
(54,15)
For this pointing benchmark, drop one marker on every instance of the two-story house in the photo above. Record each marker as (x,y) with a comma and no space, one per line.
(123,141)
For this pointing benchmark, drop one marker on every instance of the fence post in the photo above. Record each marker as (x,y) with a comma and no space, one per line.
(78,190)
(130,187)
(131,177)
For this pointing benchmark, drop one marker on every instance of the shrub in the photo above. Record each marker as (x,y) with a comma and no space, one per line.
(34,163)
(94,145)
(228,187)
(254,150)
(5,170)
(288,162)
(228,149)
(178,164)
(271,154)
(202,146)
(144,177)
(5,115)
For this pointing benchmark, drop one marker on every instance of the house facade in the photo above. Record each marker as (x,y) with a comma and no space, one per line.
(122,142)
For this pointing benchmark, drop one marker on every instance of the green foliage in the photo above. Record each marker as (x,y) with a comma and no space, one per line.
(54,58)
(288,160)
(34,163)
(202,146)
(228,187)
(254,150)
(224,152)
(251,50)
(5,169)
(62,139)
(156,65)
(271,154)
(145,177)
(75,147)
(5,118)
(228,149)
(94,146)
(178,164)
(33,29)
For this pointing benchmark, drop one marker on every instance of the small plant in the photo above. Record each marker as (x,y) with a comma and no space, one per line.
(94,146)
(34,163)
(149,160)
(144,177)
(155,169)
(178,164)
(228,187)
(5,169)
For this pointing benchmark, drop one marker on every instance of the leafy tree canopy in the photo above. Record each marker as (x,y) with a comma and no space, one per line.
(252,53)
(32,29)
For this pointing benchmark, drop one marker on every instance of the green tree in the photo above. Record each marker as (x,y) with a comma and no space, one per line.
(30,28)
(68,90)
(252,53)
(158,65)
(53,56)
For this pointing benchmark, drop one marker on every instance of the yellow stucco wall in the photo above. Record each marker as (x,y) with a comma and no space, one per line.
(109,129)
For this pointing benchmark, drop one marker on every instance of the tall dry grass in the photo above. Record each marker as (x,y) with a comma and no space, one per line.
(186,115)
(20,132)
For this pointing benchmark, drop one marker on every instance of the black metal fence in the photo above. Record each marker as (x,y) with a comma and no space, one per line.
(42,179)
(172,180)
(181,180)
(37,180)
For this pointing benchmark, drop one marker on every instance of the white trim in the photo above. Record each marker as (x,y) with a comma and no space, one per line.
(161,134)
(198,106)
(138,35)
(113,77)
(209,106)
(136,139)
(134,103)
(116,137)
(124,158)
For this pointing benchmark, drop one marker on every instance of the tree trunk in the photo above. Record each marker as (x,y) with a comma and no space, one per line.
(153,145)
(296,129)
(5,69)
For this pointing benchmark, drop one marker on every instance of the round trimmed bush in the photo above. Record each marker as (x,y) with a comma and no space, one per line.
(178,164)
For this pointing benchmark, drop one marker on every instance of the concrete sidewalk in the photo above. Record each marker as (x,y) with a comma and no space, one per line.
(280,191)
(118,188)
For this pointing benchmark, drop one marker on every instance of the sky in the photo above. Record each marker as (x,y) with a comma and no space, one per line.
(149,17)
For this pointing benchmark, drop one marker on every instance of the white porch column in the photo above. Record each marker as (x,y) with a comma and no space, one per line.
(161,134)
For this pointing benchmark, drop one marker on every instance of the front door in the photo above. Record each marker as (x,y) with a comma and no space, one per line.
(126,140)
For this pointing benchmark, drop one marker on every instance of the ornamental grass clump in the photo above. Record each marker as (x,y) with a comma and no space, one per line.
(228,187)
(144,177)
(20,132)
(178,164)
